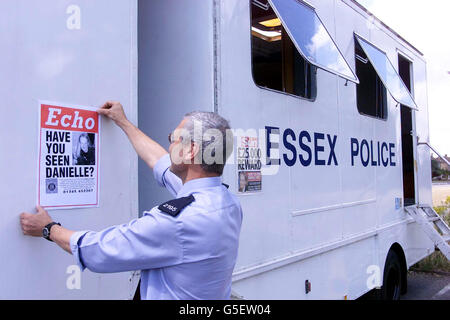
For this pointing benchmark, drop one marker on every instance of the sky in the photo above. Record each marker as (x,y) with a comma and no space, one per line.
(426,25)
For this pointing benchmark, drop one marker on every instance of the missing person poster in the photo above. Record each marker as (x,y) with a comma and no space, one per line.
(69,145)
(249,164)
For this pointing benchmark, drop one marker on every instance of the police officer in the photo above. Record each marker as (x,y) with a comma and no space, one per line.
(185,248)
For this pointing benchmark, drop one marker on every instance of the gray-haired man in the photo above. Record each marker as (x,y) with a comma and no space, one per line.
(182,255)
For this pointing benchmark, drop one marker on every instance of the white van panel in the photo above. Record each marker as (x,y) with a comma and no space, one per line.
(42,59)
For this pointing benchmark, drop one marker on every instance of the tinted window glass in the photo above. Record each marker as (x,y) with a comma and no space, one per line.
(370,92)
(387,73)
(311,37)
(276,63)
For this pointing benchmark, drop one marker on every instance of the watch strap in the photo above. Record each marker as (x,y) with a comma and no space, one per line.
(49,227)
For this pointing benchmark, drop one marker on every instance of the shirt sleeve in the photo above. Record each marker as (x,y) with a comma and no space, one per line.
(165,177)
(149,242)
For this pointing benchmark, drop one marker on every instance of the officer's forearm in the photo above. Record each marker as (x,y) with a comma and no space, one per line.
(149,150)
(61,236)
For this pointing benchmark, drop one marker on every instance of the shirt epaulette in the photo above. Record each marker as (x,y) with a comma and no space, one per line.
(175,206)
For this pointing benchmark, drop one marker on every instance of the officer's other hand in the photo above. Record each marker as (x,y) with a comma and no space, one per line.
(32,224)
(114,111)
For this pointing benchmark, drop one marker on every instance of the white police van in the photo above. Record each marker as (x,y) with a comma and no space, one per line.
(329,108)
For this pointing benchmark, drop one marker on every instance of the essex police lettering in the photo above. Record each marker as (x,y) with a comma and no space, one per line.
(319,149)
(370,153)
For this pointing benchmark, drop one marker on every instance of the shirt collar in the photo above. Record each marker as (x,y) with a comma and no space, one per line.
(201,183)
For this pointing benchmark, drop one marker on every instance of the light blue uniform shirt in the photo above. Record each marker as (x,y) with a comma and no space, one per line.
(190,256)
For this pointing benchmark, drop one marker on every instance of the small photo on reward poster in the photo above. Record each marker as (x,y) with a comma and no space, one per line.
(68,163)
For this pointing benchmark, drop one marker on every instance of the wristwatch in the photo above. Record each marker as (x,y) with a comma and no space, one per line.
(46,230)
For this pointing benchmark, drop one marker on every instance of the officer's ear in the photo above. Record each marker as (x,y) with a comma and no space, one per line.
(194,153)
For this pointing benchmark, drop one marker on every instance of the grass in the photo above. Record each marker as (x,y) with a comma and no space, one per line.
(437,261)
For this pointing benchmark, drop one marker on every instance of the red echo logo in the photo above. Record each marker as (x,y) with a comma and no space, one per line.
(69,119)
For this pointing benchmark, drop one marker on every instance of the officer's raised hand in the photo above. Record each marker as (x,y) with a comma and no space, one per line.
(114,111)
(149,150)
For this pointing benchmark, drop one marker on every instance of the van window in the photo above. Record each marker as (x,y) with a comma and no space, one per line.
(370,92)
(387,73)
(311,38)
(276,63)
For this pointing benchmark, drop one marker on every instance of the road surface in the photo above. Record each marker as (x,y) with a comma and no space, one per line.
(427,286)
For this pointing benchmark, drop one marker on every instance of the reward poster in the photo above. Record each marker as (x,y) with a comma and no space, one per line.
(249,164)
(68,156)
